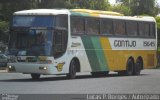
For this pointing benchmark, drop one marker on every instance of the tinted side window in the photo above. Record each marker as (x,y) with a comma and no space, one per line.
(62,21)
(152,29)
(119,27)
(131,28)
(92,26)
(77,25)
(141,29)
(106,26)
(146,26)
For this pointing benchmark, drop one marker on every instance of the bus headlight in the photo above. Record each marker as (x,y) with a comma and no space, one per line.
(42,68)
(11,68)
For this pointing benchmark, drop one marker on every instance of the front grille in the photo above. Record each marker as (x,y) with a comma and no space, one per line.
(31,60)
(28,59)
(21,60)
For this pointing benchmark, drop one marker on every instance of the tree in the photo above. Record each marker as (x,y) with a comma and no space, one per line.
(91,4)
(3,31)
(54,4)
(7,8)
(141,7)
(122,9)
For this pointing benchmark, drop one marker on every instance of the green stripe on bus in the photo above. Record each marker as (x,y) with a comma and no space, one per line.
(100,53)
(91,54)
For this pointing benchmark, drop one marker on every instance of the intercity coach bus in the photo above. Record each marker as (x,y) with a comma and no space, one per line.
(62,41)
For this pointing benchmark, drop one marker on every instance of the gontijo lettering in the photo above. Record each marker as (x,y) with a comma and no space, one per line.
(124,43)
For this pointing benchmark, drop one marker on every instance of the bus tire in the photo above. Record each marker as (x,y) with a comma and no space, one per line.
(72,70)
(35,76)
(129,68)
(137,68)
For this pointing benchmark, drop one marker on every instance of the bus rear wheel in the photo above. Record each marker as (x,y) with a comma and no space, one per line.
(72,70)
(137,68)
(130,67)
(35,76)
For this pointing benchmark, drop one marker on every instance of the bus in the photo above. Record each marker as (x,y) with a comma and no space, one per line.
(68,41)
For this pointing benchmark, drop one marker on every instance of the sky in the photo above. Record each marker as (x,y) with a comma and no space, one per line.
(113,1)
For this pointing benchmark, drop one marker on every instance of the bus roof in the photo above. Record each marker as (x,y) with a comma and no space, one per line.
(84,12)
(109,14)
(96,12)
(42,12)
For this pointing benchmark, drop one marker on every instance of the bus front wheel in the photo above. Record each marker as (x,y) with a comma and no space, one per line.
(35,76)
(72,70)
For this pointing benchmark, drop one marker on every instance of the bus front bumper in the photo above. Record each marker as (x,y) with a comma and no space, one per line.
(28,68)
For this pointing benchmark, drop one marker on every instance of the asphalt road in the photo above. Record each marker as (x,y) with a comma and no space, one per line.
(16,83)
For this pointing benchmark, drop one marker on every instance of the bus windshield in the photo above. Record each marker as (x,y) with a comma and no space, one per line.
(35,35)
(31,43)
(33,21)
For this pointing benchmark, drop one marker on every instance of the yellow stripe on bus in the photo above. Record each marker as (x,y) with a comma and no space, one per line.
(107,51)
